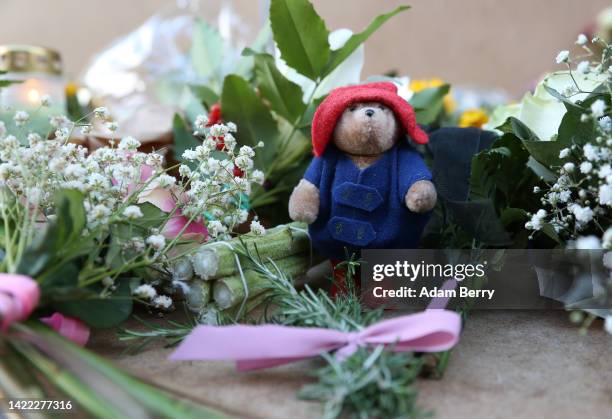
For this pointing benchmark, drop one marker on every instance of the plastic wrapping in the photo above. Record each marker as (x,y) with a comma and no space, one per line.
(144,77)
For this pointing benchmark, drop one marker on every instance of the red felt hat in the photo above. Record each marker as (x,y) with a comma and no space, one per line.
(330,110)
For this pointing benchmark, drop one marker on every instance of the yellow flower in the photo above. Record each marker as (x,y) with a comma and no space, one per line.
(473,118)
(422,84)
(71,89)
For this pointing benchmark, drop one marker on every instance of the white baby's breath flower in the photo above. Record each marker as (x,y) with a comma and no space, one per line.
(132,212)
(200,123)
(145,291)
(605,124)
(184,170)
(590,152)
(62,134)
(101,113)
(245,150)
(231,127)
(583,67)
(129,144)
(165,181)
(156,241)
(215,228)
(606,240)
(244,162)
(20,118)
(582,39)
(189,155)
(112,126)
(537,220)
(605,195)
(582,214)
(86,129)
(260,144)
(258,177)
(162,302)
(586,167)
(562,57)
(598,107)
(564,153)
(46,100)
(569,167)
(154,159)
(257,228)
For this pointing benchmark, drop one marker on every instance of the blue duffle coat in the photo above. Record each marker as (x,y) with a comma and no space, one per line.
(365,208)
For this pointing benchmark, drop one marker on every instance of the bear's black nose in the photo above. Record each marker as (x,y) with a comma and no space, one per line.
(369,112)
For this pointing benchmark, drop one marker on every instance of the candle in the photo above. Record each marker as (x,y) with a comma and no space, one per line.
(39,71)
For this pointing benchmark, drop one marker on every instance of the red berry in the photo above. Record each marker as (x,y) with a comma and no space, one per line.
(214,115)
(220,143)
(238,172)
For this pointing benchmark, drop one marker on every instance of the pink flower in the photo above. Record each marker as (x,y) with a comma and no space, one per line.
(163,199)
(70,328)
(19,296)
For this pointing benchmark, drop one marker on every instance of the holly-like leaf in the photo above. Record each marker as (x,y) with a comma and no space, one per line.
(301,36)
(205,94)
(241,105)
(338,56)
(285,97)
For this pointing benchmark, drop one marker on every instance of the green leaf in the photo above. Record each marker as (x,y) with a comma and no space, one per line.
(429,103)
(263,38)
(183,139)
(241,105)
(206,49)
(285,97)
(100,312)
(205,94)
(301,36)
(338,56)
(62,237)
(480,220)
(545,152)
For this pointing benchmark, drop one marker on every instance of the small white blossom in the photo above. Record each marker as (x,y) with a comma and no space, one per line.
(582,39)
(258,177)
(245,150)
(101,113)
(586,167)
(537,220)
(215,228)
(590,152)
(257,228)
(583,67)
(165,181)
(62,134)
(112,126)
(21,117)
(569,167)
(562,57)
(564,153)
(607,240)
(46,100)
(598,107)
(107,281)
(582,214)
(86,129)
(605,195)
(132,212)
(184,170)
(145,291)
(162,301)
(129,144)
(156,241)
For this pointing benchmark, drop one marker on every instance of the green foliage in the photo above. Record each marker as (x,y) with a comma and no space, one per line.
(301,36)
(429,103)
(370,383)
(183,139)
(61,239)
(284,96)
(206,49)
(245,108)
(97,309)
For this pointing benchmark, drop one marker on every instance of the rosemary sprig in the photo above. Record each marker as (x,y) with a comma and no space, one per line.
(371,383)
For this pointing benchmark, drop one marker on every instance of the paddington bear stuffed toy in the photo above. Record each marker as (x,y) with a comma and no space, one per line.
(366,186)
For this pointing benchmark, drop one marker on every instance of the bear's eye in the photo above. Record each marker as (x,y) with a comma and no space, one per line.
(352,108)
(381,107)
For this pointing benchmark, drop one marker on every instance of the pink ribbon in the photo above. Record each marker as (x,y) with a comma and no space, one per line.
(19,296)
(68,327)
(256,347)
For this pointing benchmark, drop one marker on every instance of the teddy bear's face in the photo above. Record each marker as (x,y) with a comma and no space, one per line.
(366,129)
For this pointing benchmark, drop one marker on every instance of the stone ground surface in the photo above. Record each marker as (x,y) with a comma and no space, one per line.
(509,364)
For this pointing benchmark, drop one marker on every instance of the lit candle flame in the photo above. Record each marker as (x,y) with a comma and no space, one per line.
(34,96)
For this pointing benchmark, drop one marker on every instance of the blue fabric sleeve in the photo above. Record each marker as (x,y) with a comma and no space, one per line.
(412,168)
(314,171)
